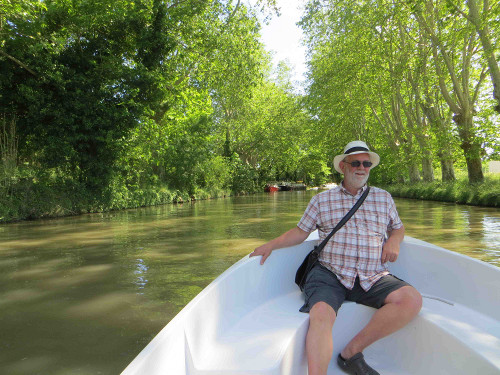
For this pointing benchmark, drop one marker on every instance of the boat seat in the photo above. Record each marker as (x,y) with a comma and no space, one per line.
(267,340)
(472,339)
(444,337)
(274,337)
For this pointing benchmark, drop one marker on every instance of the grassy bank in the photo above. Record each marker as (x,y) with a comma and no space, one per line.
(32,200)
(29,200)
(461,191)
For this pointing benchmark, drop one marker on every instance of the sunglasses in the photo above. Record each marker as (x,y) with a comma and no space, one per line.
(357,163)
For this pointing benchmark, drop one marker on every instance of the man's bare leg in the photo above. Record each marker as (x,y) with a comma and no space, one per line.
(401,306)
(319,341)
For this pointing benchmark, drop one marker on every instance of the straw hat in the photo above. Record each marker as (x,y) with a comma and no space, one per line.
(353,148)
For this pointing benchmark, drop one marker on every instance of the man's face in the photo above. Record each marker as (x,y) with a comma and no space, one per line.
(355,177)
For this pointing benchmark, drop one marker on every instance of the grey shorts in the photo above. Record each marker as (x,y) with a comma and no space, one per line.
(323,285)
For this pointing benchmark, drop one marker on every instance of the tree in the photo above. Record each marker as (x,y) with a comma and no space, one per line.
(82,78)
(382,71)
(269,131)
(461,73)
(88,89)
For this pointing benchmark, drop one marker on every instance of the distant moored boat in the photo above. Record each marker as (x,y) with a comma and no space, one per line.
(271,188)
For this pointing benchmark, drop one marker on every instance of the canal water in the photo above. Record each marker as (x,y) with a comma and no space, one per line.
(84,295)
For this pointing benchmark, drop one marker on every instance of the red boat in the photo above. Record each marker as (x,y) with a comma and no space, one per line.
(271,188)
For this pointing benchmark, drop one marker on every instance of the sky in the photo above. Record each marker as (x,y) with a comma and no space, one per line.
(283,37)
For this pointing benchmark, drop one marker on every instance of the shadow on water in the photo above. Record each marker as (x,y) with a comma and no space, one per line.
(84,295)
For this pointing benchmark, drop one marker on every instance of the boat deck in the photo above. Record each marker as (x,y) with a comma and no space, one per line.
(265,340)
(258,343)
(247,322)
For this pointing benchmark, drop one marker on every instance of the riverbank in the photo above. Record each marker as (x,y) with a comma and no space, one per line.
(461,191)
(31,201)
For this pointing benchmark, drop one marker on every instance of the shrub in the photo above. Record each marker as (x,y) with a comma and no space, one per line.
(461,191)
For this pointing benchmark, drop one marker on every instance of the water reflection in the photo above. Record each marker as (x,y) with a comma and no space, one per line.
(473,231)
(141,273)
(84,295)
(491,238)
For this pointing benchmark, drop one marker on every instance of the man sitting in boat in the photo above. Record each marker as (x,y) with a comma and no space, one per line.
(353,264)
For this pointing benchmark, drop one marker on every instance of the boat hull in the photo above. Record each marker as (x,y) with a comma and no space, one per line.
(247,321)
(271,189)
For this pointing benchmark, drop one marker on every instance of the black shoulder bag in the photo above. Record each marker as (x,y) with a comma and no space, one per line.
(311,258)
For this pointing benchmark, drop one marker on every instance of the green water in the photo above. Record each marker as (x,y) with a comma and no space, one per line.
(84,295)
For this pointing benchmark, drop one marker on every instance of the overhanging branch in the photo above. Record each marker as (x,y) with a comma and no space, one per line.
(21,64)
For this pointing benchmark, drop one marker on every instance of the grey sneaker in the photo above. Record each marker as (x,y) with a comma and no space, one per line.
(356,365)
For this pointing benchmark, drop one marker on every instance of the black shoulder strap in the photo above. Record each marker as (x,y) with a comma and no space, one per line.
(344,219)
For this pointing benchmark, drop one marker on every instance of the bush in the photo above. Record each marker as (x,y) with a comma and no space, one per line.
(245,178)
(215,173)
(461,191)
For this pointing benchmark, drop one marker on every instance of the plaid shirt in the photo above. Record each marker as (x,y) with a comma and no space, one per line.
(356,249)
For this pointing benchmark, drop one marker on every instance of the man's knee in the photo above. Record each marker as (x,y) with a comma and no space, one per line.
(407,298)
(322,313)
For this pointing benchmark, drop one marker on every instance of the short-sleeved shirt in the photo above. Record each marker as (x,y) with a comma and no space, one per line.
(356,249)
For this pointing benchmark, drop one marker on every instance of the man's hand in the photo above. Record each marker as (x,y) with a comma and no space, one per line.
(293,237)
(390,251)
(264,250)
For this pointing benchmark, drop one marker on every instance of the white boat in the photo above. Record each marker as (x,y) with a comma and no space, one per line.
(246,322)
(328,186)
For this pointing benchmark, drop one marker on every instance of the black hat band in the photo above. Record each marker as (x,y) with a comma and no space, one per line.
(354,149)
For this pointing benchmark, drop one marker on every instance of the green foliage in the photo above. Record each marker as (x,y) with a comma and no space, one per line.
(384,72)
(246,178)
(215,173)
(80,76)
(115,104)
(486,193)
(124,104)
(313,169)
(269,130)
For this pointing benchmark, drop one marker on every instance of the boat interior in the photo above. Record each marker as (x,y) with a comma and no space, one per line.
(247,322)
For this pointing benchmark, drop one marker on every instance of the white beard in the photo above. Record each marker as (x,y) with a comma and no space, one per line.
(357,181)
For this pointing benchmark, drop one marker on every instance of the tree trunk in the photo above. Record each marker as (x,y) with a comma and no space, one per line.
(473,159)
(442,131)
(414,173)
(471,146)
(418,127)
(227,144)
(447,169)
(427,170)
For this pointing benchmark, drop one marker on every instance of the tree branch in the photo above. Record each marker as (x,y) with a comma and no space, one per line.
(12,58)
(435,44)
(480,81)
(176,3)
(234,11)
(465,15)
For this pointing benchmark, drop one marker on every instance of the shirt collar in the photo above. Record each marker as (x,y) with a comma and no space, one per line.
(360,191)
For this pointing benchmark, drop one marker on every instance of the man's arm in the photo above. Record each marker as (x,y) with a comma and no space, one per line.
(293,237)
(390,251)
